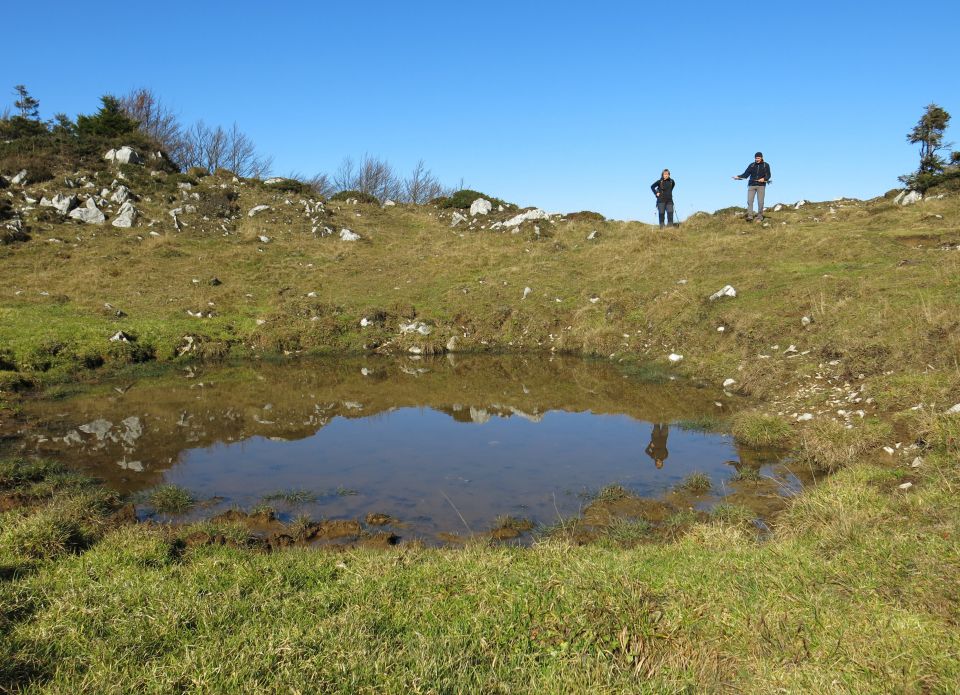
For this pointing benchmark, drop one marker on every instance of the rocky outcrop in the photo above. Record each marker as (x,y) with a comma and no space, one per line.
(124,155)
(89,213)
(126,217)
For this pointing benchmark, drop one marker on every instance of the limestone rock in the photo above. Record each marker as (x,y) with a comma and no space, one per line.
(415,327)
(457,219)
(727,383)
(675,358)
(126,217)
(347,235)
(725,291)
(257,209)
(452,344)
(121,195)
(388,204)
(905,198)
(480,206)
(89,213)
(535,214)
(954,410)
(125,155)
(61,203)
(20,177)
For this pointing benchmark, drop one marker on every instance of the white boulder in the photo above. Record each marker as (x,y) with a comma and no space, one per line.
(954,410)
(727,383)
(126,217)
(347,235)
(415,327)
(125,155)
(535,214)
(725,291)
(457,219)
(480,206)
(61,203)
(389,204)
(121,195)
(800,204)
(674,357)
(275,179)
(20,177)
(257,209)
(89,213)
(908,198)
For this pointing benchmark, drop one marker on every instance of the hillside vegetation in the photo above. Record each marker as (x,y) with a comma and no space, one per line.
(844,331)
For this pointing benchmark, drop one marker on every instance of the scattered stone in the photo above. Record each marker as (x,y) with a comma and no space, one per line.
(721,329)
(806,417)
(126,217)
(257,209)
(725,291)
(800,204)
(415,327)
(526,292)
(727,383)
(20,177)
(917,462)
(120,337)
(806,321)
(89,213)
(347,235)
(674,357)
(889,450)
(593,235)
(905,486)
(452,344)
(480,206)
(778,207)
(457,219)
(954,410)
(263,239)
(275,179)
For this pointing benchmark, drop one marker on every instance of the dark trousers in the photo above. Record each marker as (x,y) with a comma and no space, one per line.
(668,208)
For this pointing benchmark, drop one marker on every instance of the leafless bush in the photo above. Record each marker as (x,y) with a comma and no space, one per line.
(321,184)
(156,120)
(217,148)
(421,186)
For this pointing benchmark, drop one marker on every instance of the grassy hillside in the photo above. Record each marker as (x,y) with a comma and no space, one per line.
(844,331)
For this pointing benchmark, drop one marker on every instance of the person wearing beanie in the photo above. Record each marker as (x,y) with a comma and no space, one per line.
(758,174)
(663,189)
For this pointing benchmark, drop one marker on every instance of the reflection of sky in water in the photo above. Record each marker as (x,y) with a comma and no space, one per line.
(404,461)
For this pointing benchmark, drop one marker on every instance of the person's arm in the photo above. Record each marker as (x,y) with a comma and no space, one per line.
(656,188)
(769,175)
(745,174)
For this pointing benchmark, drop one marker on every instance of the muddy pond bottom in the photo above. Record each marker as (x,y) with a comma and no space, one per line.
(426,447)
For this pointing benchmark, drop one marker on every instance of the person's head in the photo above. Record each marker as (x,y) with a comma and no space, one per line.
(658,463)
(758,157)
(666,174)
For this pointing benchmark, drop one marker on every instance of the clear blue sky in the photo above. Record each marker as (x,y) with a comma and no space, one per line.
(567,106)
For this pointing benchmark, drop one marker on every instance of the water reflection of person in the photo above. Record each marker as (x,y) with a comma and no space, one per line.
(657,448)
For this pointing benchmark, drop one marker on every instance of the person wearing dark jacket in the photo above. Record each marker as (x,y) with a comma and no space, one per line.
(663,189)
(758,174)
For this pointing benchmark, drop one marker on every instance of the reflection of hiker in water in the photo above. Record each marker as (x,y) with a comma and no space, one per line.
(657,448)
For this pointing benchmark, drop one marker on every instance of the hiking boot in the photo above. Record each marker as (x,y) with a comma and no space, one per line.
(749,218)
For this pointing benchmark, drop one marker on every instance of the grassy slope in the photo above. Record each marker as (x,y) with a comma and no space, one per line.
(856,592)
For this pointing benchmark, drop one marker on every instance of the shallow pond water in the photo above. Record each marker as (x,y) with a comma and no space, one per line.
(446,444)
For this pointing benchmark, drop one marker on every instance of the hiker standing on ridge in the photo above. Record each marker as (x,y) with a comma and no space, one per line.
(759,175)
(663,189)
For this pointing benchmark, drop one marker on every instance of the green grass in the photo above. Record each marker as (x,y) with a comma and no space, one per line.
(294,497)
(760,430)
(171,499)
(695,483)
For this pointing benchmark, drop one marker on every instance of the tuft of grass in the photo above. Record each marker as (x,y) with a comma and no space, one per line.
(610,493)
(625,533)
(732,513)
(695,483)
(513,523)
(760,430)
(827,446)
(342,491)
(171,499)
(704,423)
(747,475)
(43,535)
(292,496)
